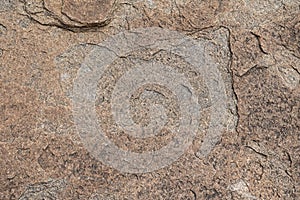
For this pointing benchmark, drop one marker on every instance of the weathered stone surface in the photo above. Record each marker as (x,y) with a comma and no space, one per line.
(42,46)
(70,14)
(47,190)
(89,12)
(6,5)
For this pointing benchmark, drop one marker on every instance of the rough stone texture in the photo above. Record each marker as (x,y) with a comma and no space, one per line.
(42,44)
(47,190)
(73,15)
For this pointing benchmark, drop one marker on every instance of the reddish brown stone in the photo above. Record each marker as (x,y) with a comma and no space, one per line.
(41,154)
(88,11)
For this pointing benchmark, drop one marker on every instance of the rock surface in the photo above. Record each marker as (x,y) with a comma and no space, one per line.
(257,45)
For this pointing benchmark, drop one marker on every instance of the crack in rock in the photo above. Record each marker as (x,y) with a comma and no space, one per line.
(73,15)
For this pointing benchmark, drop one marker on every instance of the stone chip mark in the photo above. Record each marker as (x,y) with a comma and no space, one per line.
(290,76)
(6,5)
(44,190)
(242,189)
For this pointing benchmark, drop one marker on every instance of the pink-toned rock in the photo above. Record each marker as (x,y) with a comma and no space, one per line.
(88,11)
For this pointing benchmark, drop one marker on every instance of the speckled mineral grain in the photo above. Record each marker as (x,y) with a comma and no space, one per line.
(255,47)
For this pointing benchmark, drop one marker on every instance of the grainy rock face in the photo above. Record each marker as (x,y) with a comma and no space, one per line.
(75,15)
(255,50)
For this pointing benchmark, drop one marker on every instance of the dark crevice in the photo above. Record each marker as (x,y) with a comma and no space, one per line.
(252,69)
(294,68)
(232,76)
(259,43)
(264,155)
(194,194)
